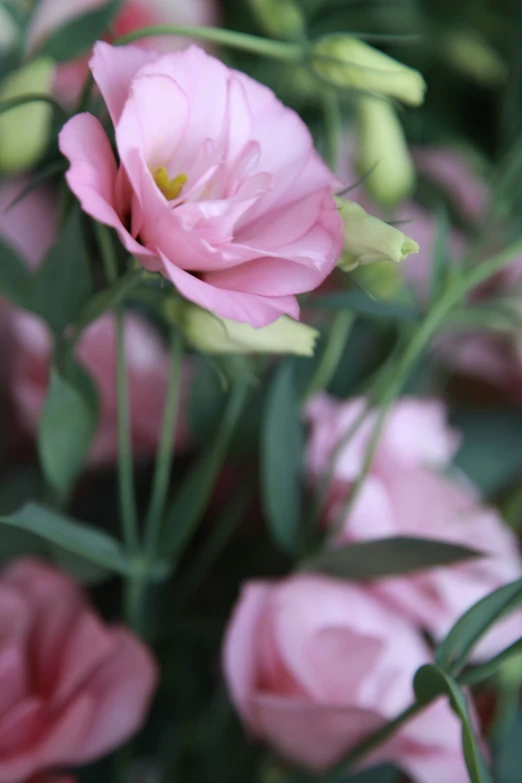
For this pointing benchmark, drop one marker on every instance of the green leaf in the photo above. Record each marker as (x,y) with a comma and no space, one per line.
(491,667)
(67,426)
(282,444)
(508,752)
(108,298)
(387,557)
(69,535)
(491,450)
(359,302)
(192,497)
(77,36)
(429,683)
(63,283)
(16,283)
(453,652)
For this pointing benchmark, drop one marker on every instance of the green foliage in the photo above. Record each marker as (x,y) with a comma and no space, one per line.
(281,458)
(387,557)
(67,426)
(82,541)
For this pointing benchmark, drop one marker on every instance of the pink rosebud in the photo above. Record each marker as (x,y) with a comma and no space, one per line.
(219,188)
(314,666)
(406,494)
(52,15)
(147,368)
(72,688)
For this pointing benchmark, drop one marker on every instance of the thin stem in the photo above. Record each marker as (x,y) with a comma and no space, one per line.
(33,97)
(333,350)
(277,50)
(356,755)
(125,463)
(165,454)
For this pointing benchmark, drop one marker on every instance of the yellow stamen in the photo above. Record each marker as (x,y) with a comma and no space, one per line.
(171,188)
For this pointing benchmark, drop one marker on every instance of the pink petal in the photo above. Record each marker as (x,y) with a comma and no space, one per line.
(114,68)
(14,680)
(38,209)
(243,307)
(154,122)
(121,690)
(240,646)
(312,735)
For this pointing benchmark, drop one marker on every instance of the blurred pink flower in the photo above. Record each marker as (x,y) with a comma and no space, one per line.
(72,688)
(314,665)
(51,15)
(406,494)
(147,367)
(219,189)
(27,345)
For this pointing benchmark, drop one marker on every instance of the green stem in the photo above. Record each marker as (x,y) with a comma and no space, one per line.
(165,454)
(125,464)
(33,97)
(331,355)
(487,670)
(351,759)
(277,50)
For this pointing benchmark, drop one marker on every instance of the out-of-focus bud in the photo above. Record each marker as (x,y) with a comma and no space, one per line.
(24,131)
(210,334)
(347,62)
(471,54)
(368,240)
(280,18)
(382,152)
(383,280)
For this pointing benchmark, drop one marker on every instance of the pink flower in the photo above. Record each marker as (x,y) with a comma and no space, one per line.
(147,367)
(314,666)
(406,494)
(219,187)
(72,688)
(52,15)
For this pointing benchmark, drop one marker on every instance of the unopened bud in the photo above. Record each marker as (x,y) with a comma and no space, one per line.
(348,62)
(368,240)
(280,18)
(210,334)
(382,152)
(24,130)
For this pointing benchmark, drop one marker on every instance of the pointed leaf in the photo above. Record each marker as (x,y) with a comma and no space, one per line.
(73,537)
(453,652)
(77,36)
(282,444)
(387,557)
(67,426)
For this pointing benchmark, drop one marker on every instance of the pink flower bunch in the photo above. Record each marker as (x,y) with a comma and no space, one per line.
(72,688)
(407,494)
(218,186)
(315,665)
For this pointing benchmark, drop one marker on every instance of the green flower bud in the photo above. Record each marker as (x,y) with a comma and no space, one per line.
(347,62)
(210,334)
(24,131)
(470,54)
(368,240)
(280,18)
(382,152)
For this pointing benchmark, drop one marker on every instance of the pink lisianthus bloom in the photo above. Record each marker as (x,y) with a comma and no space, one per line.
(51,15)
(147,368)
(27,346)
(406,494)
(218,186)
(314,665)
(72,688)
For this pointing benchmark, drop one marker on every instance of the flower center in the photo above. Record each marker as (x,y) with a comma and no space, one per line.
(171,188)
